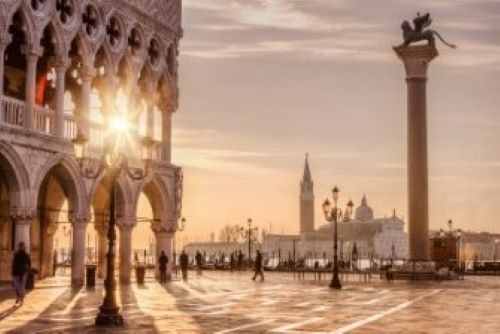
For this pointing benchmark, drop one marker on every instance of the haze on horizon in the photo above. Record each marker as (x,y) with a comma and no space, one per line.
(265,81)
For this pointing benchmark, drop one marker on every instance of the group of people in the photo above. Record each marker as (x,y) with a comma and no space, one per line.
(184,264)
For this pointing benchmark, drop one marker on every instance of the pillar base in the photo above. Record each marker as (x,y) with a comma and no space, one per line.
(109,316)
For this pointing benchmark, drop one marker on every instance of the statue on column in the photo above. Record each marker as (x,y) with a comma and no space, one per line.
(419,33)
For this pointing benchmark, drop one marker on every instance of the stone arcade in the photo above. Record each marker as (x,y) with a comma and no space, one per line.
(66,67)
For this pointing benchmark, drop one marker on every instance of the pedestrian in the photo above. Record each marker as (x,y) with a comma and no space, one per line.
(163,261)
(258,267)
(184,262)
(199,262)
(54,263)
(21,264)
(240,260)
(231,262)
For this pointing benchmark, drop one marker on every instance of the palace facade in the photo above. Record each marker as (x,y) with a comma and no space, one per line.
(67,67)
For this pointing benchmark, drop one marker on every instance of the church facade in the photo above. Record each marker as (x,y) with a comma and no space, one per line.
(365,234)
(66,69)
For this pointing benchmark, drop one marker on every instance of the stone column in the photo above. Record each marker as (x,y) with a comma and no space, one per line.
(166,133)
(102,247)
(60,68)
(32,56)
(84,121)
(125,252)
(164,242)
(48,250)
(22,231)
(416,60)
(4,42)
(78,254)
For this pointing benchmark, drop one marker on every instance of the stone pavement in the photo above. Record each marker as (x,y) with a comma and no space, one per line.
(232,303)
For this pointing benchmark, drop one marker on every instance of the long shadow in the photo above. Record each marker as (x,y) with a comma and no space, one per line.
(199,310)
(9,311)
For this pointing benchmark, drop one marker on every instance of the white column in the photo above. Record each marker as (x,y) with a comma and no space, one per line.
(150,119)
(29,111)
(60,67)
(22,231)
(166,133)
(125,252)
(3,46)
(164,242)
(102,247)
(78,255)
(86,77)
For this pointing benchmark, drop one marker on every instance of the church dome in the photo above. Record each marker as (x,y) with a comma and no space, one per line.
(364,212)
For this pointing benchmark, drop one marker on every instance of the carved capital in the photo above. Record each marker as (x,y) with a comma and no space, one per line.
(416,59)
(22,215)
(79,221)
(164,227)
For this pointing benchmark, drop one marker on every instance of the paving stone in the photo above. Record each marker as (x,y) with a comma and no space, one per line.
(231,303)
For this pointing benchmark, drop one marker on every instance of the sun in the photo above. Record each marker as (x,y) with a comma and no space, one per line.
(119,124)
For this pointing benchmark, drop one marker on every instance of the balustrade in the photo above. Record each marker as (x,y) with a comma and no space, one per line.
(12,113)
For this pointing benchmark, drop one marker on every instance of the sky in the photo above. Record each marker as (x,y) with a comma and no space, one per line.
(262,82)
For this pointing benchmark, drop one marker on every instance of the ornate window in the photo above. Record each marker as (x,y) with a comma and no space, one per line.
(114,32)
(65,9)
(134,41)
(90,20)
(154,51)
(37,4)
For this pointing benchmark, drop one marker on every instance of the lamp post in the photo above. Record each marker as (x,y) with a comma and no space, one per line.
(332,215)
(249,234)
(114,162)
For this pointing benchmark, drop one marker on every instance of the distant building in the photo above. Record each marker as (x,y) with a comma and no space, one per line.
(372,237)
(216,249)
(466,245)
(306,201)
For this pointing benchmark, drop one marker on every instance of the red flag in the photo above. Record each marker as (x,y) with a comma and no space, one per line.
(41,88)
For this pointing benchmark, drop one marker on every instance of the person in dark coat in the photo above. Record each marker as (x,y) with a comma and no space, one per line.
(184,262)
(199,261)
(258,267)
(21,264)
(240,260)
(231,262)
(163,261)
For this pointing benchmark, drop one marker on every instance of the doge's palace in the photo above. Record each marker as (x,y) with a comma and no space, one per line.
(67,67)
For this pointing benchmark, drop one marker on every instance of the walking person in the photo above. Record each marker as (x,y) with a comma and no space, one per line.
(258,267)
(163,261)
(184,262)
(21,264)
(240,260)
(199,262)
(231,262)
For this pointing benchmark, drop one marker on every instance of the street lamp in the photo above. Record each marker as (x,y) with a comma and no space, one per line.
(332,215)
(115,162)
(249,233)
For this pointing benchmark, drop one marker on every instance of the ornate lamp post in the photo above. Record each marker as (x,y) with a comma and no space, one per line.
(249,233)
(333,215)
(114,162)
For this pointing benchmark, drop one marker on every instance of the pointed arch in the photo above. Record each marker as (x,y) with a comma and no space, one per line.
(67,172)
(158,195)
(16,175)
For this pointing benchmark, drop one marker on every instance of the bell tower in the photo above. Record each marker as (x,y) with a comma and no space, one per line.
(306,200)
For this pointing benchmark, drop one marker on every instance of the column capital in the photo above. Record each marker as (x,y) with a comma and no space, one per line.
(164,227)
(78,222)
(22,215)
(32,51)
(88,73)
(416,59)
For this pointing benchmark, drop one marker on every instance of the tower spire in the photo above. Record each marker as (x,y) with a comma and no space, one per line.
(307,171)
